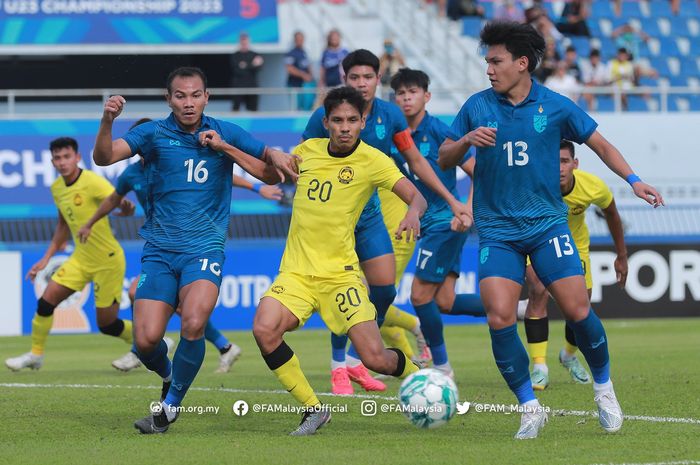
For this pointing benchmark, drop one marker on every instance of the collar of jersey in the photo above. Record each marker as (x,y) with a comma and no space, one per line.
(424,124)
(534,94)
(170,123)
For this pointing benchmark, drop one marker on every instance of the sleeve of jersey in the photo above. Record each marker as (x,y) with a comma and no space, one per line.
(314,128)
(460,125)
(101,188)
(385,174)
(579,126)
(123,183)
(442,132)
(243,140)
(139,139)
(604,195)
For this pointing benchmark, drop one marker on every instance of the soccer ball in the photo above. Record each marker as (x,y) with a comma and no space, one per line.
(428,398)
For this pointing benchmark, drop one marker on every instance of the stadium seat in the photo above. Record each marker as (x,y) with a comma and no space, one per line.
(636,103)
(678,103)
(605,103)
(488,9)
(650,26)
(695,47)
(631,10)
(648,82)
(660,9)
(582,45)
(608,48)
(660,64)
(690,9)
(668,47)
(602,9)
(583,104)
(471,26)
(677,81)
(594,27)
(694,103)
(689,67)
(679,26)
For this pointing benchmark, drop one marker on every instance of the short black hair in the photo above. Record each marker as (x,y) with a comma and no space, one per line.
(185,71)
(568,145)
(519,39)
(141,121)
(360,57)
(594,53)
(410,77)
(340,95)
(570,48)
(63,142)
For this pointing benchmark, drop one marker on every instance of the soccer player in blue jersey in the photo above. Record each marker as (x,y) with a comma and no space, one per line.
(385,126)
(189,194)
(516,127)
(440,247)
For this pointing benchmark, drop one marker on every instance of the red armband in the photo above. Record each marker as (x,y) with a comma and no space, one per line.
(403,140)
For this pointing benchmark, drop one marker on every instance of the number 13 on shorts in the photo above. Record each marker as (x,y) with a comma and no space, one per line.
(562,247)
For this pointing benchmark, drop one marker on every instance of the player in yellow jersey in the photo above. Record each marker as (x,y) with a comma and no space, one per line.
(320,269)
(100,260)
(579,190)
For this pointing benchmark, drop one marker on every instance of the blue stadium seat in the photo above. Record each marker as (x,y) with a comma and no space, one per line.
(549,8)
(674,102)
(660,8)
(583,104)
(608,48)
(677,81)
(644,51)
(660,64)
(636,103)
(602,9)
(689,67)
(582,44)
(617,22)
(695,47)
(594,28)
(668,47)
(679,26)
(605,103)
(648,82)
(488,9)
(694,103)
(631,10)
(471,26)
(650,26)
(690,9)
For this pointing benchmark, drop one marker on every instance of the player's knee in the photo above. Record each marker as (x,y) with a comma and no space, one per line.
(500,320)
(266,335)
(115,328)
(420,296)
(444,303)
(377,361)
(145,344)
(44,308)
(193,326)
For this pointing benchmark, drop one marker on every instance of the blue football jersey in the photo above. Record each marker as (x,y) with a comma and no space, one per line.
(428,137)
(382,123)
(133,178)
(189,186)
(516,183)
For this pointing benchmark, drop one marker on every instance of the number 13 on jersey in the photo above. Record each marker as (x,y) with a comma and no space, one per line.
(521,157)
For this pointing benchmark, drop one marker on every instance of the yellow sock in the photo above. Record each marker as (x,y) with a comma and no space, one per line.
(128,332)
(41,325)
(397,317)
(538,352)
(396,337)
(294,381)
(409,366)
(571,350)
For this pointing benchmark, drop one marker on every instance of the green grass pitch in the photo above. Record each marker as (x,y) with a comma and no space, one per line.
(78,409)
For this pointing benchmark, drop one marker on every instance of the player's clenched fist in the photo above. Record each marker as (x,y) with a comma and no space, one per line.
(114,106)
(211,139)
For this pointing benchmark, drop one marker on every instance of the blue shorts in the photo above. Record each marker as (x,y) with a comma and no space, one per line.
(553,255)
(439,253)
(164,273)
(372,239)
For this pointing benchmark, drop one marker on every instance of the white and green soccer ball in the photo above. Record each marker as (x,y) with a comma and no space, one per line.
(428,398)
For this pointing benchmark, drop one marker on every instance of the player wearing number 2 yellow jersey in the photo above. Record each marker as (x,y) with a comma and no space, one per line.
(320,268)
(77,194)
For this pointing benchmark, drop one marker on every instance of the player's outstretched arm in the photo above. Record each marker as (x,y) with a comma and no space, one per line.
(106,150)
(612,217)
(257,168)
(283,163)
(106,206)
(417,205)
(616,162)
(456,224)
(451,152)
(265,191)
(60,237)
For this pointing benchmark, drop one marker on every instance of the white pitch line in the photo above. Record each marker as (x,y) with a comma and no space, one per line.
(574,413)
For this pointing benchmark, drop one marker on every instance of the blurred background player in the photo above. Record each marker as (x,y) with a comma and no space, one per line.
(77,193)
(185,228)
(385,126)
(321,271)
(516,126)
(579,190)
(245,67)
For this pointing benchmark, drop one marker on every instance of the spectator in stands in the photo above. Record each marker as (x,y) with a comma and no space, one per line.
(389,63)
(571,60)
(245,66)
(549,62)
(537,17)
(332,57)
(299,71)
(594,73)
(456,9)
(509,10)
(573,18)
(629,38)
(563,83)
(622,73)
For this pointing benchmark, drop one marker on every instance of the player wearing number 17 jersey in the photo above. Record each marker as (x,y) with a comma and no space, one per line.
(516,127)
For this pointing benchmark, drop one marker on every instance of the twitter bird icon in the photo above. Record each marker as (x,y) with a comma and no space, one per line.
(462,407)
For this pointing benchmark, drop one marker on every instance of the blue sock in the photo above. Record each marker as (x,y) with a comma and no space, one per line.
(512,361)
(189,356)
(468,304)
(338,345)
(157,360)
(352,352)
(134,350)
(382,297)
(214,336)
(593,344)
(431,325)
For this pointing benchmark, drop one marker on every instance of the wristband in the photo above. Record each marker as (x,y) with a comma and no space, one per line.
(632,178)
(255,188)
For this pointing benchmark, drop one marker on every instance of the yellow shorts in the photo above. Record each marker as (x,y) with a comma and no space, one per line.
(585,264)
(393,211)
(342,302)
(108,278)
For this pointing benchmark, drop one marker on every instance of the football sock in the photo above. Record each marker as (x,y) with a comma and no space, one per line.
(404,366)
(41,325)
(593,344)
(570,344)
(468,304)
(157,360)
(285,365)
(397,317)
(187,360)
(512,361)
(338,347)
(395,336)
(431,325)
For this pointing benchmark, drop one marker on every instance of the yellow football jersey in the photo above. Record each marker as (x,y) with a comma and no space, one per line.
(331,193)
(588,189)
(77,203)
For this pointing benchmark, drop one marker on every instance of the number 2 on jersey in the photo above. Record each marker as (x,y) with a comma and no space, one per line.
(521,158)
(197,173)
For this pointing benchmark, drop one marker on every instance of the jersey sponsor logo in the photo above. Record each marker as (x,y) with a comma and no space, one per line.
(142,279)
(539,122)
(77,200)
(277,289)
(595,345)
(492,124)
(577,210)
(484,255)
(345,175)
(175,142)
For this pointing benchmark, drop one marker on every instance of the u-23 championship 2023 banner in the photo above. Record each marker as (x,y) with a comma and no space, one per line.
(149,22)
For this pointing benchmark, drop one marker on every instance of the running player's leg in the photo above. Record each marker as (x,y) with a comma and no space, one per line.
(537,329)
(567,355)
(108,294)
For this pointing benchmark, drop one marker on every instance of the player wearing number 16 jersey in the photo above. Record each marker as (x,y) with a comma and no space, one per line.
(189,196)
(516,127)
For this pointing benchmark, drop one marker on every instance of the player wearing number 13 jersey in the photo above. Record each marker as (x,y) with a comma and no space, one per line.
(320,268)
(516,127)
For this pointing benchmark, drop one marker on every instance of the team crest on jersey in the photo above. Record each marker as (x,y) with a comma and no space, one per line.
(484,255)
(539,122)
(577,210)
(345,175)
(277,289)
(424,148)
(492,124)
(380,129)
(77,200)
